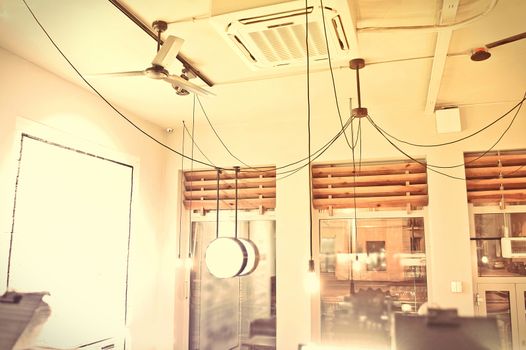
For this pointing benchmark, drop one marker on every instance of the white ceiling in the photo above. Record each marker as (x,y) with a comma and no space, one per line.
(98,38)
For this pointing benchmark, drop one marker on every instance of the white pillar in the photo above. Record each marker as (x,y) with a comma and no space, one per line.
(449,254)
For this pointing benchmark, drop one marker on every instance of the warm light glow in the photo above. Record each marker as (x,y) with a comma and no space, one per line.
(179,262)
(407,308)
(484,259)
(225,257)
(188,263)
(312,282)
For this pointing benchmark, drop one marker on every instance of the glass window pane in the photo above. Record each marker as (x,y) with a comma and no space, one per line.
(498,306)
(241,310)
(518,224)
(489,251)
(367,273)
(489,225)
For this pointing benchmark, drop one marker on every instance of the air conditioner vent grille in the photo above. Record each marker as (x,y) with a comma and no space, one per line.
(276,36)
(287,43)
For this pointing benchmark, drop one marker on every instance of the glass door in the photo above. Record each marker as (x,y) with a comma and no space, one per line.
(521,314)
(507,303)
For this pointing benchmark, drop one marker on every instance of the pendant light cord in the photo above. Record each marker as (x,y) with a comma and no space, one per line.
(181,204)
(190,237)
(309,131)
(236,168)
(217,203)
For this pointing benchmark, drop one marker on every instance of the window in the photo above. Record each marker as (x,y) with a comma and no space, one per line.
(499,238)
(235,312)
(70,237)
(369,268)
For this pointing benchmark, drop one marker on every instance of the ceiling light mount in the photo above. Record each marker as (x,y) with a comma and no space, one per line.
(357,64)
(159,26)
(480,54)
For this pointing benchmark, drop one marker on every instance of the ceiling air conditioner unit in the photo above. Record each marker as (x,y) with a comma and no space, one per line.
(513,247)
(274,36)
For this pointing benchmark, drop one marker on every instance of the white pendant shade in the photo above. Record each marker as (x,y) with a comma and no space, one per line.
(226,257)
(252,256)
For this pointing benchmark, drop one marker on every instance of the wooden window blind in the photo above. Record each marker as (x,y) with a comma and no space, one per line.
(496,177)
(256,189)
(401,184)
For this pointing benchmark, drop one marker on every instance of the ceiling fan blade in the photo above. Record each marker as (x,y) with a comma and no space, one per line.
(185,84)
(168,52)
(506,40)
(121,74)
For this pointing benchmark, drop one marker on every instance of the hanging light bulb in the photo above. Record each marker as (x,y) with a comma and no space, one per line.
(188,262)
(179,262)
(312,282)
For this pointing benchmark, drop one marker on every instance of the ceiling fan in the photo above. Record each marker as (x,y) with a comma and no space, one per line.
(166,54)
(482,53)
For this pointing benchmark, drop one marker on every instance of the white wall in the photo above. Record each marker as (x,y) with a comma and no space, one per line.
(49,105)
(259,142)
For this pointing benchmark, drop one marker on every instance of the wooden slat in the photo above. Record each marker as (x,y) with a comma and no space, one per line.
(371,191)
(495,196)
(231,193)
(494,172)
(377,202)
(267,172)
(256,189)
(493,160)
(243,204)
(372,180)
(228,184)
(367,169)
(487,184)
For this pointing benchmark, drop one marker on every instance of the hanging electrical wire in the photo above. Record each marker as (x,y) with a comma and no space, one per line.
(433,167)
(181,202)
(451,141)
(199,148)
(219,137)
(329,60)
(190,231)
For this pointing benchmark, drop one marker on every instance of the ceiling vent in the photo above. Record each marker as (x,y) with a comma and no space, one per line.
(275,35)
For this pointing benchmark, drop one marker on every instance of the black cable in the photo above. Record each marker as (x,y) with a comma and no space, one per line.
(219,137)
(321,152)
(416,160)
(181,204)
(351,283)
(217,204)
(190,234)
(429,166)
(236,173)
(103,98)
(332,74)
(199,148)
(453,141)
(309,126)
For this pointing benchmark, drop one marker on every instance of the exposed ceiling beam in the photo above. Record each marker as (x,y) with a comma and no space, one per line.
(448,13)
